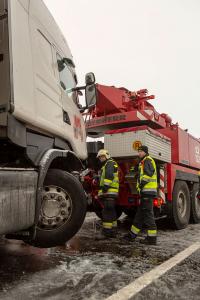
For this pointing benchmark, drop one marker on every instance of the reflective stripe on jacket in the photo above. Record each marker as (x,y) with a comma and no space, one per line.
(147,184)
(109,178)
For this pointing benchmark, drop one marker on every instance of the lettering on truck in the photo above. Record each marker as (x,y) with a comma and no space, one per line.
(197,154)
(106,120)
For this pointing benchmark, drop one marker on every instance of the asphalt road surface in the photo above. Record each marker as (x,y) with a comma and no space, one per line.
(88,269)
(180,283)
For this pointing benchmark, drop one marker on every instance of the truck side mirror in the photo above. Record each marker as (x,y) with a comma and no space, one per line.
(91,95)
(89,78)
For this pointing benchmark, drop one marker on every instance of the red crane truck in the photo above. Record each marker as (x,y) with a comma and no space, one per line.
(126,120)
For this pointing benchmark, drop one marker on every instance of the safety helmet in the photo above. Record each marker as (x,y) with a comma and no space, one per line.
(143,148)
(103,152)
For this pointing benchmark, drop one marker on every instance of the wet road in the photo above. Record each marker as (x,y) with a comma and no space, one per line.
(90,269)
(180,283)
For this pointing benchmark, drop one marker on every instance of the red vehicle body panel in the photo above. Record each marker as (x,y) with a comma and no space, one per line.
(118,107)
(185,148)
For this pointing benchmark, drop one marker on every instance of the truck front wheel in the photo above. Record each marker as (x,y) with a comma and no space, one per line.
(180,205)
(63,209)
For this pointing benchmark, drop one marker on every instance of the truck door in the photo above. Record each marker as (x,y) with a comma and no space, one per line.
(73,123)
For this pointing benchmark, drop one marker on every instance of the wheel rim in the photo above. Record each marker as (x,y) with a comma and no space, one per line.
(182,204)
(197,204)
(56,208)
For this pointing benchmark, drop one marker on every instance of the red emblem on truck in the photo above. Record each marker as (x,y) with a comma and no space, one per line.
(78,131)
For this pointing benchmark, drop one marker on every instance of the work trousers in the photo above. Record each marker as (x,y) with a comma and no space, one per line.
(109,212)
(144,217)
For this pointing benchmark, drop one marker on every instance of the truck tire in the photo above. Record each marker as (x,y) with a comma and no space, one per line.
(180,213)
(195,204)
(62,211)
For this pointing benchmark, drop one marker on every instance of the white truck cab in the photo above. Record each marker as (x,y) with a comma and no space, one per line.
(42,131)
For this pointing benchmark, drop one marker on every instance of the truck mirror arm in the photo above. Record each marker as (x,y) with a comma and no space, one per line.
(78,88)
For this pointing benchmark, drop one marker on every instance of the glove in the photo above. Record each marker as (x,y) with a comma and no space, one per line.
(96,177)
(134,170)
(105,188)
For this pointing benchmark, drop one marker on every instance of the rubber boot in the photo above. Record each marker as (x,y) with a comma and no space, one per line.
(149,240)
(111,233)
(115,228)
(105,234)
(130,237)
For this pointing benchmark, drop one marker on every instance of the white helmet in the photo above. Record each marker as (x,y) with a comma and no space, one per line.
(103,152)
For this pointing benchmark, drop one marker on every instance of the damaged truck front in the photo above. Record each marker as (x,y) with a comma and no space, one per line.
(42,133)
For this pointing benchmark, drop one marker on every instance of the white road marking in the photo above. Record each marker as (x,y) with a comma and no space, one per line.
(139,284)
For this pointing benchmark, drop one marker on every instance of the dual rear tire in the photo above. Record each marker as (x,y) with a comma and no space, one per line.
(185,205)
(195,204)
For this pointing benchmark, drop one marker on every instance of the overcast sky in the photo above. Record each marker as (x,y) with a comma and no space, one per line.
(153,44)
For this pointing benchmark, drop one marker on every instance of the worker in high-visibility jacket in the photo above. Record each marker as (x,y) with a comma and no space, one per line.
(147,188)
(108,192)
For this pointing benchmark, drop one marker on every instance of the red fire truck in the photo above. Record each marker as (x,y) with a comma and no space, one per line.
(126,120)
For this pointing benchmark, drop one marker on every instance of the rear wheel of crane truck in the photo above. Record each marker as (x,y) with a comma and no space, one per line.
(180,208)
(195,204)
(63,209)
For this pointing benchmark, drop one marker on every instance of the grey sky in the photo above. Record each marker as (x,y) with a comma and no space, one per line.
(153,44)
